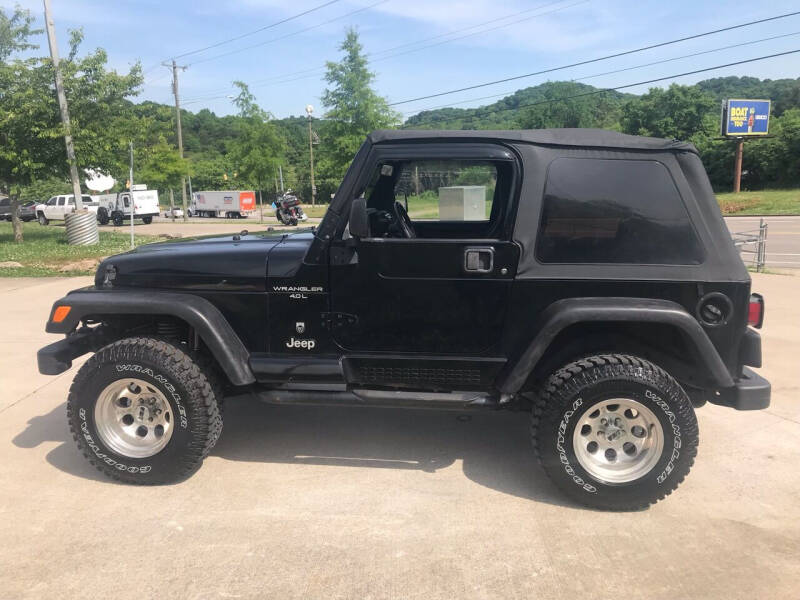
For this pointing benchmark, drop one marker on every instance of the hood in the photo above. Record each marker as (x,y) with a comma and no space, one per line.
(229,262)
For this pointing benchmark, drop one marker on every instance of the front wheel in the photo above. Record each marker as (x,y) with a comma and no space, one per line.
(117,219)
(143,411)
(614,432)
(42,219)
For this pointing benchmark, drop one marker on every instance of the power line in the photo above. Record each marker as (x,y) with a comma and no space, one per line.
(622,87)
(253,32)
(593,60)
(289,35)
(290,77)
(650,64)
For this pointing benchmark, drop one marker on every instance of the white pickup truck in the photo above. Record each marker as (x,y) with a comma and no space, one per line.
(57,207)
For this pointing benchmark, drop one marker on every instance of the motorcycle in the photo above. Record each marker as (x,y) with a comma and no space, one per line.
(288,210)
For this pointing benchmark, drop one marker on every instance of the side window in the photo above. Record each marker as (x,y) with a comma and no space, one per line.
(61,200)
(614,211)
(444,198)
(447,190)
(71,201)
(52,201)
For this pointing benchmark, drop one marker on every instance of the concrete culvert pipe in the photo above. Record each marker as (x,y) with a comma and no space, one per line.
(81,228)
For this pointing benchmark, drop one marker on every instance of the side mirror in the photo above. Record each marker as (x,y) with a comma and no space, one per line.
(359,222)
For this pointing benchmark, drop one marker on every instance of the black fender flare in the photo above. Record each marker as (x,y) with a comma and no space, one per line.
(563,313)
(206,319)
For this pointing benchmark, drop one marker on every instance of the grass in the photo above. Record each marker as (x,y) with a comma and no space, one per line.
(45,250)
(766,202)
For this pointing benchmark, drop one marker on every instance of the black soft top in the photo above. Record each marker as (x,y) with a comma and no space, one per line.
(586,138)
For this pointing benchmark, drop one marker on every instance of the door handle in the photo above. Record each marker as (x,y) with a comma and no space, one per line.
(479,260)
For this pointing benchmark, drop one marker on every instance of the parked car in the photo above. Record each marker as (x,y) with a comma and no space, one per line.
(27,211)
(584,276)
(57,207)
(5,208)
(174,212)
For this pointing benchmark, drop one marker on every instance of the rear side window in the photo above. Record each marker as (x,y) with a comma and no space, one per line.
(614,211)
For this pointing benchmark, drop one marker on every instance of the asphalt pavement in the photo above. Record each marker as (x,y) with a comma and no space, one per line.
(305,502)
(783,239)
(783,233)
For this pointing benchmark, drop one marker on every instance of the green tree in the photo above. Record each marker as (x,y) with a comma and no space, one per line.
(678,112)
(258,148)
(161,167)
(353,109)
(555,110)
(31,134)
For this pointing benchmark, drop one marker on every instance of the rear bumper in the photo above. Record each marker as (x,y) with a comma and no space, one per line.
(751,392)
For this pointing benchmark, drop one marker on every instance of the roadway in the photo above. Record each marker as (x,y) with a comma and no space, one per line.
(783,238)
(783,233)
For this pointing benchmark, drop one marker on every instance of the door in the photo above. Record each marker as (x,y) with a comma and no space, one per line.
(57,209)
(440,286)
(124,204)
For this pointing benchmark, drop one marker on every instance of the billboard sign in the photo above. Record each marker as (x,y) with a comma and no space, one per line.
(745,117)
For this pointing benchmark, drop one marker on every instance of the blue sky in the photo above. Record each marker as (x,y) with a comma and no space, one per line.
(286,74)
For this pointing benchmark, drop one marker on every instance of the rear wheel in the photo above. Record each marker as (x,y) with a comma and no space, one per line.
(143,411)
(147,220)
(42,219)
(614,432)
(116,217)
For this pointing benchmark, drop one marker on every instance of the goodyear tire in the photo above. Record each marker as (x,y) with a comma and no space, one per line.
(614,432)
(142,411)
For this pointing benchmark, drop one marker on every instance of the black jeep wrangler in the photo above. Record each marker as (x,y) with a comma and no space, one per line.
(584,275)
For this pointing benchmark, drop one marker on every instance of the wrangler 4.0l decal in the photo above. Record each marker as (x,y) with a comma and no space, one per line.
(294,289)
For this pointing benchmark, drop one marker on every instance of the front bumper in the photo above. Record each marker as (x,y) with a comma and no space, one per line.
(751,392)
(57,357)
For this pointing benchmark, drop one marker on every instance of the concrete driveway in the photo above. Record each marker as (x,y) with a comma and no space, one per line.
(301,502)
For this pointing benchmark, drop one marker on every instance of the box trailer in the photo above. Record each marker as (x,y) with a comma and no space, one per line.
(232,204)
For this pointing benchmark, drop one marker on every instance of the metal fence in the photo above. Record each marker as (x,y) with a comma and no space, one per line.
(753,243)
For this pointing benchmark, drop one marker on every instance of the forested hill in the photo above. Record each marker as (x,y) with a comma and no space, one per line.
(572,104)
(686,112)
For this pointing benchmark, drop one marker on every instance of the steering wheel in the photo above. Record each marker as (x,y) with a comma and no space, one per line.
(403,221)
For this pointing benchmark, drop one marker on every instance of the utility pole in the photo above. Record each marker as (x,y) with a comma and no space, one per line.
(62,105)
(737,170)
(280,170)
(176,93)
(309,111)
(130,195)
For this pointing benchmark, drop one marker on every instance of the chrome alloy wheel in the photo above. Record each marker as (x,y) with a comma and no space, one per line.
(618,440)
(133,418)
